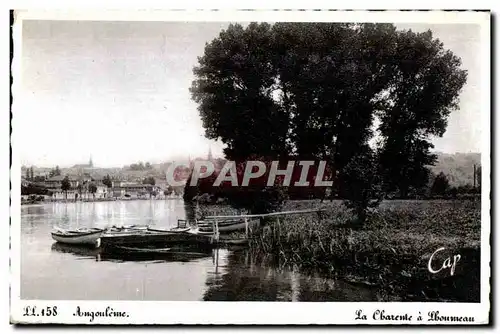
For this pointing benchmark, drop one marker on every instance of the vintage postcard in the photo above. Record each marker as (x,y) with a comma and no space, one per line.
(317,167)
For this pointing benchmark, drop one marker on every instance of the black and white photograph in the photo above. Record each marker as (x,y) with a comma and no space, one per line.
(165,166)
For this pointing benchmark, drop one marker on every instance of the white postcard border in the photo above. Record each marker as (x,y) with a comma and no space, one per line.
(152,312)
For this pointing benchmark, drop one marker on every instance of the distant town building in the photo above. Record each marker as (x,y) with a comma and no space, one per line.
(133,189)
(88,165)
(79,186)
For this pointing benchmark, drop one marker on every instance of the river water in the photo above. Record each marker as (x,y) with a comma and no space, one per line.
(53,271)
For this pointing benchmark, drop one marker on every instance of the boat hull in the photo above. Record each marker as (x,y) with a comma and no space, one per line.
(173,230)
(75,238)
(228,227)
(110,242)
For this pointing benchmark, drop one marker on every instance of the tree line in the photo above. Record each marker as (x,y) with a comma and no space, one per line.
(140,166)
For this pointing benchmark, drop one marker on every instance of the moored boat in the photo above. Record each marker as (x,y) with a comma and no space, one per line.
(154,239)
(83,236)
(127,228)
(172,230)
(227,226)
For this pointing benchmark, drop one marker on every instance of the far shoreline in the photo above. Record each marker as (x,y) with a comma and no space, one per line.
(25,202)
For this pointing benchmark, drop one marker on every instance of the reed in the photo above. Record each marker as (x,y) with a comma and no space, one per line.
(389,253)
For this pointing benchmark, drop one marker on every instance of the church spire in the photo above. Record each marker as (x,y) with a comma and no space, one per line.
(209,153)
(91,164)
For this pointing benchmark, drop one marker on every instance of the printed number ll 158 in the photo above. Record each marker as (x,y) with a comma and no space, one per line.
(32,311)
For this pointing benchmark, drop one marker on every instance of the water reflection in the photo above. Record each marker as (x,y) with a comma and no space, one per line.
(82,252)
(245,278)
(190,210)
(51,270)
(102,214)
(35,209)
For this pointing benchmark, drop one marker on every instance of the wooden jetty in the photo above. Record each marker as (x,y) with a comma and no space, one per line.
(247,219)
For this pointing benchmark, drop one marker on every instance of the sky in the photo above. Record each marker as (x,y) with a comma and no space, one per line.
(119,91)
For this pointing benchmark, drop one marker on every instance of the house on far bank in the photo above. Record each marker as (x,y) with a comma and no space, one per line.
(55,182)
(79,187)
(124,189)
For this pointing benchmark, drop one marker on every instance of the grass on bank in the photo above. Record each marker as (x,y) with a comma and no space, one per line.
(390,252)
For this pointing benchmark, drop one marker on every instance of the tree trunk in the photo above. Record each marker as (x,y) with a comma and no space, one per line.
(361,216)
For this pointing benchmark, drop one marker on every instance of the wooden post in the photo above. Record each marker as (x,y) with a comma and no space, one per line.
(279,228)
(213,231)
(216,230)
(216,260)
(474,176)
(246,228)
(320,215)
(274,229)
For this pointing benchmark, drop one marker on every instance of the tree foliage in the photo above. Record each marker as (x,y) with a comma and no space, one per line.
(440,185)
(92,189)
(55,172)
(140,166)
(361,184)
(168,191)
(107,181)
(66,185)
(424,90)
(314,90)
(32,189)
(149,180)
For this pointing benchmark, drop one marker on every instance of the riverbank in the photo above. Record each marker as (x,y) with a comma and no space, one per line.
(26,202)
(391,252)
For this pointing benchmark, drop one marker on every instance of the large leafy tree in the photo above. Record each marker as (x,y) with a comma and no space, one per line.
(93,189)
(65,186)
(314,90)
(424,89)
(234,89)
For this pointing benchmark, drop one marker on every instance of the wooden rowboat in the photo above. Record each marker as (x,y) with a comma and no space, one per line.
(172,230)
(90,236)
(227,226)
(153,239)
(86,236)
